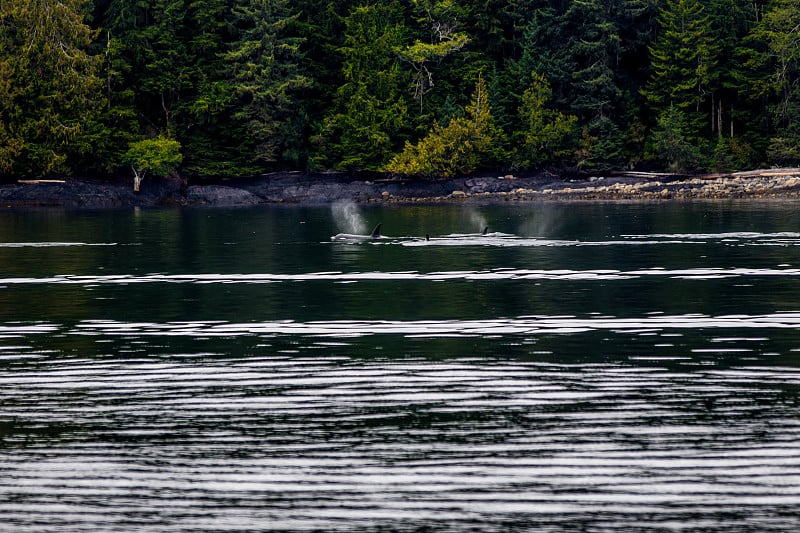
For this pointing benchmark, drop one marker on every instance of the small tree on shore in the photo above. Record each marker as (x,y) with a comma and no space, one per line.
(160,156)
(671,144)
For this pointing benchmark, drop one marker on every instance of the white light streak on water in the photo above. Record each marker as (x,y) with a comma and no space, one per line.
(472,275)
(52,244)
(533,325)
(743,235)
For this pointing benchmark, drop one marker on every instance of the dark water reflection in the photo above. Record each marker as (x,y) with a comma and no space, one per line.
(582,368)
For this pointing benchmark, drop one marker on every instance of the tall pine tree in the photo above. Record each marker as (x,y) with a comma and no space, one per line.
(50,109)
(684,65)
(265,72)
(775,57)
(370,113)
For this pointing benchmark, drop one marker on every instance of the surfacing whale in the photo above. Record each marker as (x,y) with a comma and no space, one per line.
(351,237)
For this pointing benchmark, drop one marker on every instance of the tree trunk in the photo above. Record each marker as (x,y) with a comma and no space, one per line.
(137,178)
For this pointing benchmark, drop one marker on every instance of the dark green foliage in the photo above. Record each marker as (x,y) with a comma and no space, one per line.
(545,135)
(263,76)
(601,146)
(50,87)
(10,142)
(168,61)
(370,110)
(731,153)
(731,20)
(684,61)
(543,50)
(118,115)
(776,54)
(671,142)
(249,86)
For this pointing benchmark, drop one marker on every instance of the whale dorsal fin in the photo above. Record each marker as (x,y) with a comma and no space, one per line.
(485,230)
(376,233)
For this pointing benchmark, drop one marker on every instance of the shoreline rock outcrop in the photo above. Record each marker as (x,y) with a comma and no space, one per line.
(291,188)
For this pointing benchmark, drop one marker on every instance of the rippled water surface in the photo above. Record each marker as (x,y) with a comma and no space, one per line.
(589,367)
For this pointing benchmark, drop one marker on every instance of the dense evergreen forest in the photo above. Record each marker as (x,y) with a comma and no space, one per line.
(219,88)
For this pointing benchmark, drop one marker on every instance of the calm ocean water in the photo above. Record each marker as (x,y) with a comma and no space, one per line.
(580,367)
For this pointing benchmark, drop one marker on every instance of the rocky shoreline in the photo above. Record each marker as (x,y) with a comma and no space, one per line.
(290,188)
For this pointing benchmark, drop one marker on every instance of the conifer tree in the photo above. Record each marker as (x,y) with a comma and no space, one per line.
(370,109)
(264,74)
(203,114)
(539,37)
(119,120)
(543,48)
(166,64)
(670,144)
(546,135)
(52,90)
(596,47)
(490,23)
(10,144)
(776,57)
(684,62)
(731,20)
(154,58)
